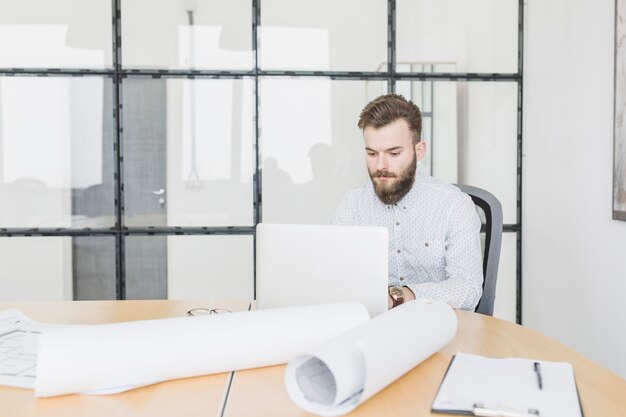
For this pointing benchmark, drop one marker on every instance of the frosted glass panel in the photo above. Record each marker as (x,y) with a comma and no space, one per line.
(506,288)
(488,143)
(472,35)
(57,268)
(471,135)
(56,152)
(49,278)
(55,34)
(216,267)
(313,151)
(326,35)
(145,267)
(188,153)
(182,34)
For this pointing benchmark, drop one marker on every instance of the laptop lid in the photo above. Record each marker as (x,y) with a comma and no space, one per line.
(317,264)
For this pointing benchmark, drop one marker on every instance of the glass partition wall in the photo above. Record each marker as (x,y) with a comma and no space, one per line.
(141,141)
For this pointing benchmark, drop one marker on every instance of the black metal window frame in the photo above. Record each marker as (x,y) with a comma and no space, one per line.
(117,73)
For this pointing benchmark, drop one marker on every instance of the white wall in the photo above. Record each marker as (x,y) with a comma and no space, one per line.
(574,268)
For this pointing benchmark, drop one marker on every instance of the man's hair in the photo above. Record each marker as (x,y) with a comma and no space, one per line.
(387,109)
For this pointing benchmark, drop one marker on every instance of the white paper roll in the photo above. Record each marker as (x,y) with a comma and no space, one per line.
(119,356)
(334,378)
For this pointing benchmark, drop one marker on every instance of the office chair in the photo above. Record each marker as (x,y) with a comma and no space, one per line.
(489,211)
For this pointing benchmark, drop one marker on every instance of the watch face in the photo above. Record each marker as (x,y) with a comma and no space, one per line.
(396,292)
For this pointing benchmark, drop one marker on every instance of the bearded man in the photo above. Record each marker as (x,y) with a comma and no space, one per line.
(434,241)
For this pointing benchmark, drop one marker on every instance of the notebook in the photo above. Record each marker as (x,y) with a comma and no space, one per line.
(317,264)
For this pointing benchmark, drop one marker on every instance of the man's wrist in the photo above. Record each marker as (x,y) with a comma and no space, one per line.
(396,293)
(408,294)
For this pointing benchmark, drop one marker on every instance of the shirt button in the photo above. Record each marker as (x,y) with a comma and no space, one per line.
(397,223)
(399,251)
(426,244)
(404,208)
(401,278)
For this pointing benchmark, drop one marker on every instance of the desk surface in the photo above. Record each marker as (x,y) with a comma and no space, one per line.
(261,392)
(200,396)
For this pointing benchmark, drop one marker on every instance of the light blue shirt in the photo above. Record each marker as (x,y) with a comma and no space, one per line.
(434,239)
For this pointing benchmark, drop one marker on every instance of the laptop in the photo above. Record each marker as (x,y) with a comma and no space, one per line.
(316,264)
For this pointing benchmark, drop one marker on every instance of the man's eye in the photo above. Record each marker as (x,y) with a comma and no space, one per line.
(395,153)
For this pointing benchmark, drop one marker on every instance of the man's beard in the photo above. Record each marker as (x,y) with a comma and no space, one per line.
(392,193)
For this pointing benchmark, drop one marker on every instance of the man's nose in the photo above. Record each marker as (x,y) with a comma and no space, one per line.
(381,163)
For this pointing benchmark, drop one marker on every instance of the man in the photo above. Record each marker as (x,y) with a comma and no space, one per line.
(434,241)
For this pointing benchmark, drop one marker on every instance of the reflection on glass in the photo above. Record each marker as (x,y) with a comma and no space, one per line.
(437,102)
(183,34)
(55,34)
(56,152)
(349,35)
(313,151)
(474,35)
(80,268)
(188,155)
(473,135)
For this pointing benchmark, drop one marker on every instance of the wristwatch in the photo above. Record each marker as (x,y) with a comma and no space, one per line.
(397,295)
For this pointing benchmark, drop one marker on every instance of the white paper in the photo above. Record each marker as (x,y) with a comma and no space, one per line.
(337,376)
(119,356)
(509,384)
(19,335)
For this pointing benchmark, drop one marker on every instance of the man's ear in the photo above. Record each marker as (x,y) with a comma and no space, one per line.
(420,149)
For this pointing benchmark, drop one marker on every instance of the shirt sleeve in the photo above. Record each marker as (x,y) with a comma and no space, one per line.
(463,285)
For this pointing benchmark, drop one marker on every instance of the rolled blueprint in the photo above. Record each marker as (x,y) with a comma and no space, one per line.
(337,376)
(115,357)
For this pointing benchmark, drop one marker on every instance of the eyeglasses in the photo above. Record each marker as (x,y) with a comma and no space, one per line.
(203,311)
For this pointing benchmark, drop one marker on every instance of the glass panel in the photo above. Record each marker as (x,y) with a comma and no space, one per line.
(472,35)
(188,152)
(94,268)
(505,306)
(56,152)
(182,34)
(471,135)
(65,268)
(313,151)
(184,267)
(349,35)
(55,34)
(216,267)
(146,263)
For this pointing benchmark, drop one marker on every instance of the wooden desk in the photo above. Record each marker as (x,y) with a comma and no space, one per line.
(261,392)
(602,393)
(200,396)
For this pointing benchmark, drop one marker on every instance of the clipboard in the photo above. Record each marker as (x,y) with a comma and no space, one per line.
(510,387)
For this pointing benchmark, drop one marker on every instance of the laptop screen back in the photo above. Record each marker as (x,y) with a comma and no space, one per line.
(317,264)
